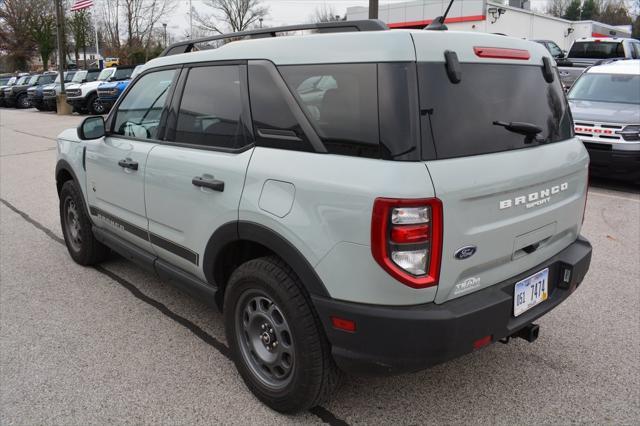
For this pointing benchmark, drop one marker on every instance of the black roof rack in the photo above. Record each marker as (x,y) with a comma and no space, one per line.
(328,27)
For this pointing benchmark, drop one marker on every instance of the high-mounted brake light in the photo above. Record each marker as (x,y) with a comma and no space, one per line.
(501,53)
(406,239)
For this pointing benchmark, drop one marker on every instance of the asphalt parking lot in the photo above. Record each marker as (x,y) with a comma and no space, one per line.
(113,344)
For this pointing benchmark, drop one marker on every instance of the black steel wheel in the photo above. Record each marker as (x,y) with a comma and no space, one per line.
(77,228)
(23,101)
(275,336)
(95,106)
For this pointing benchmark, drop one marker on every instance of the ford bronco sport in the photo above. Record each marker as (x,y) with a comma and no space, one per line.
(360,199)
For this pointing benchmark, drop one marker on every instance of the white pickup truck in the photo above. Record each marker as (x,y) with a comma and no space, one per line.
(588,51)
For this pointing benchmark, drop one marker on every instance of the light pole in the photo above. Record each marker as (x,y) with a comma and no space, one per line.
(164,24)
(260,22)
(373,9)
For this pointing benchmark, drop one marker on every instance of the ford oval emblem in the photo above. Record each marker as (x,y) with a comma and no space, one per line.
(465,252)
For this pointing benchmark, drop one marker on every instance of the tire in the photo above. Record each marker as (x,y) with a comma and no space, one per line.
(23,102)
(94,106)
(262,295)
(76,227)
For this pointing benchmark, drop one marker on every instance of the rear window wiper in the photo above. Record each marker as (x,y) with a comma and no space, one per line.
(527,129)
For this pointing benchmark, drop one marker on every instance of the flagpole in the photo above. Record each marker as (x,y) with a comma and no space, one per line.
(95,25)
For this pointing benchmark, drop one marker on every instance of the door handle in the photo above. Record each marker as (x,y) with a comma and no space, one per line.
(215,184)
(128,163)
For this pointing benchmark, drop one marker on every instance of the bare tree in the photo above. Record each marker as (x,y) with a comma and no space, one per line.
(324,13)
(81,30)
(557,7)
(237,15)
(109,12)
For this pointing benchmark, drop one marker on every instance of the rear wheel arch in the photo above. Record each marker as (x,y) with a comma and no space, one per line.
(237,242)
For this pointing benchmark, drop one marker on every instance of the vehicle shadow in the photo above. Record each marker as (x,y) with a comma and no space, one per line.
(614,185)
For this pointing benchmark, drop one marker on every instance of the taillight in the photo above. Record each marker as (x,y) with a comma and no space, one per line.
(501,53)
(406,239)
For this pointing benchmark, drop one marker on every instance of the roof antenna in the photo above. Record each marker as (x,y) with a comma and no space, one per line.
(438,23)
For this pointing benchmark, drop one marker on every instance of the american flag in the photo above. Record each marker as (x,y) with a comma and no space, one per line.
(81,4)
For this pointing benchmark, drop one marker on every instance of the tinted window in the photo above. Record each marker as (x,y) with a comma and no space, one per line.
(458,118)
(274,122)
(596,50)
(211,110)
(607,88)
(123,73)
(139,113)
(341,101)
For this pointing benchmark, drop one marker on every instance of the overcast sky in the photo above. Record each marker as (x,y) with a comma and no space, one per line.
(281,12)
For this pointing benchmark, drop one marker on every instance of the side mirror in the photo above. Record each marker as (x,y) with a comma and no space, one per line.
(84,80)
(91,128)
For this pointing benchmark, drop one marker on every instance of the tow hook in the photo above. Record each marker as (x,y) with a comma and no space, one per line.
(529,333)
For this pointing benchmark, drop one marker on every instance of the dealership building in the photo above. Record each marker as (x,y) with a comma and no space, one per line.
(512,19)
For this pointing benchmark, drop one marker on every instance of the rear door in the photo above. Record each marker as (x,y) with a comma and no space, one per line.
(194,180)
(116,163)
(516,199)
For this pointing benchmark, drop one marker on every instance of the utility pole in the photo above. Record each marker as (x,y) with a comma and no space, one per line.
(373,9)
(190,21)
(61,49)
(63,107)
(164,25)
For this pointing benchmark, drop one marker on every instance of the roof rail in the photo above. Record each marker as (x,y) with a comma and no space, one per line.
(187,46)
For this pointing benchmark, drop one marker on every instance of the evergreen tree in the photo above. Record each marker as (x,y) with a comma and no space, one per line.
(573,11)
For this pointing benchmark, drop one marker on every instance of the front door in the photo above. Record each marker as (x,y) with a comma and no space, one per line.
(116,163)
(194,181)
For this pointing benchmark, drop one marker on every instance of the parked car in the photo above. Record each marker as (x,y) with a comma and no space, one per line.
(8,83)
(589,51)
(18,95)
(109,92)
(558,54)
(50,93)
(35,94)
(111,62)
(74,90)
(605,103)
(84,97)
(412,208)
(20,81)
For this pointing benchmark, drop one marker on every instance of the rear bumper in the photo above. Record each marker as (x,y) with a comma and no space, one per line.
(614,163)
(391,340)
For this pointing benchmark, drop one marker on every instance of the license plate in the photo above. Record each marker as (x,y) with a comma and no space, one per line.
(530,292)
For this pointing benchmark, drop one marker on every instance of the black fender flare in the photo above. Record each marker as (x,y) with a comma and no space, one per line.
(237,231)
(64,165)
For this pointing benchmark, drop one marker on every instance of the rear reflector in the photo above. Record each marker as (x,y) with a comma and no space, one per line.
(501,53)
(343,324)
(482,342)
(410,234)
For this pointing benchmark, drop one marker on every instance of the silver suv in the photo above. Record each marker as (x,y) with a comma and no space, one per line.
(605,102)
(356,199)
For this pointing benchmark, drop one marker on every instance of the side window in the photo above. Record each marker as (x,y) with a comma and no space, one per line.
(555,50)
(212,108)
(139,113)
(340,100)
(635,50)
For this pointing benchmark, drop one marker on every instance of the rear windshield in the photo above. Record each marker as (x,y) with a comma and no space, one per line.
(596,50)
(458,119)
(607,88)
